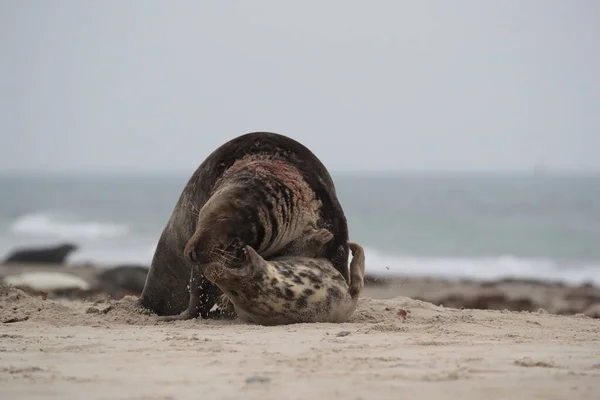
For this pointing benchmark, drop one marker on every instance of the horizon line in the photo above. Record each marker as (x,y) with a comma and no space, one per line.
(332,171)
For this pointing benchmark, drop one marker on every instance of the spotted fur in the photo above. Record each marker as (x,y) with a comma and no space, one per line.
(290,289)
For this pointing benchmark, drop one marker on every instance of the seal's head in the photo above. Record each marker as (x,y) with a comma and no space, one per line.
(222,229)
(241,284)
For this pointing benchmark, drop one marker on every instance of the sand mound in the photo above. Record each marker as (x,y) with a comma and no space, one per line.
(17,305)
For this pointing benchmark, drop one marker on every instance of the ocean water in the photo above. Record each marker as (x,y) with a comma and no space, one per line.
(474,226)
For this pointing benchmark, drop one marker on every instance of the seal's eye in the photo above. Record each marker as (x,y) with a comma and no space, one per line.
(234,293)
(240,254)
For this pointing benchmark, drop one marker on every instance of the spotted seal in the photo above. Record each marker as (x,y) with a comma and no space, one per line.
(261,189)
(290,290)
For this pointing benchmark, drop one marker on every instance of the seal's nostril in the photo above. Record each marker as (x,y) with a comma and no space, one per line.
(191,255)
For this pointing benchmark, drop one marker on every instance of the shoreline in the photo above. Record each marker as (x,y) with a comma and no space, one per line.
(511,294)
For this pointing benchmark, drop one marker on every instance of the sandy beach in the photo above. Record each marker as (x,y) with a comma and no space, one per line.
(391,348)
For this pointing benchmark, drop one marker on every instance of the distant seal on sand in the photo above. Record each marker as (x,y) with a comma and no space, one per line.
(123,280)
(48,281)
(41,255)
(290,290)
(261,189)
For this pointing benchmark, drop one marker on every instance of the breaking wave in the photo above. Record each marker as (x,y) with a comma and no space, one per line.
(47,225)
(484,268)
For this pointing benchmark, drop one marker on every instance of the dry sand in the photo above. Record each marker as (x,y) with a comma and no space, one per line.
(67,350)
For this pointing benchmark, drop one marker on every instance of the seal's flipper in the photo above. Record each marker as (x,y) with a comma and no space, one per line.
(253,263)
(166,289)
(357,269)
(179,317)
(310,244)
(223,309)
(200,300)
(319,238)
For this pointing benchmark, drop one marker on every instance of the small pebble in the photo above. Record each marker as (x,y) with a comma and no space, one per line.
(343,333)
(257,379)
(106,309)
(16,319)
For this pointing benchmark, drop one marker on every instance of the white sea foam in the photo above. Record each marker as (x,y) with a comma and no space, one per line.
(132,253)
(47,225)
(483,268)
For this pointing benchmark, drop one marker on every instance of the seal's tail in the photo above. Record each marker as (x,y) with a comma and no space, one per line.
(357,269)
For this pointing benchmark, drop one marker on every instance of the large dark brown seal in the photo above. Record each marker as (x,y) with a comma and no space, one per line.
(261,189)
(290,290)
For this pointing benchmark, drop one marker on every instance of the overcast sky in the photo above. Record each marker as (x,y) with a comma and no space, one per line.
(379,85)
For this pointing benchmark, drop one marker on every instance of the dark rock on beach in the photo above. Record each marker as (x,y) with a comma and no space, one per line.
(124,280)
(502,294)
(41,255)
(75,281)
